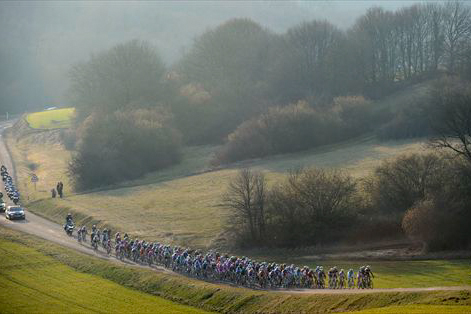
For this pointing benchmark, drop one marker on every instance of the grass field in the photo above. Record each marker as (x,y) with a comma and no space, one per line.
(404,274)
(31,282)
(56,264)
(51,119)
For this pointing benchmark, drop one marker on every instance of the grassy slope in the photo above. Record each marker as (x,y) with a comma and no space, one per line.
(185,210)
(31,282)
(175,206)
(51,119)
(203,295)
(40,154)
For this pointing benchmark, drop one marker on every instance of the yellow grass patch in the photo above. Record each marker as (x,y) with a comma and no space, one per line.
(51,119)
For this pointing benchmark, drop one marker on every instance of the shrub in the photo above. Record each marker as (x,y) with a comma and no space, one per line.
(398,184)
(69,138)
(355,113)
(442,219)
(123,145)
(313,206)
(408,122)
(439,226)
(281,130)
(421,222)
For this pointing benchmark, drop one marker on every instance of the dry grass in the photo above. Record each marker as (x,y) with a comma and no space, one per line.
(186,210)
(358,157)
(41,154)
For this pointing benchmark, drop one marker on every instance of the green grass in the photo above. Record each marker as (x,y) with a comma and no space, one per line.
(418,309)
(28,252)
(51,119)
(31,282)
(405,274)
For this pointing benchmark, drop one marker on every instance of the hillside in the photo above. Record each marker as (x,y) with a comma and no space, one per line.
(184,209)
(181,203)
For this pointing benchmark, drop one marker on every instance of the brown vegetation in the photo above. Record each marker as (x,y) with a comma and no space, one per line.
(281,130)
(428,194)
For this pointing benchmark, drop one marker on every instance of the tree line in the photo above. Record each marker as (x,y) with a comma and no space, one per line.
(240,74)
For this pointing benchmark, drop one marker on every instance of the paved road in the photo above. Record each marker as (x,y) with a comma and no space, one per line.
(53,232)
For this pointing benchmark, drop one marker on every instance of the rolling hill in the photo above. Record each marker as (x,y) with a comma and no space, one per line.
(181,204)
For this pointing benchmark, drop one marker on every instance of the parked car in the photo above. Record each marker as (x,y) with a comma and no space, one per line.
(15,212)
(3,206)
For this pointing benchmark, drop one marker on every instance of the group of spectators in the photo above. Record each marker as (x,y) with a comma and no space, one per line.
(60,190)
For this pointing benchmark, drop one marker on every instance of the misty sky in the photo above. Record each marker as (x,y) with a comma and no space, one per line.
(39,41)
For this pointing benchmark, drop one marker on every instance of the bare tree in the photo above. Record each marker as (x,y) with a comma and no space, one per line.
(457,26)
(375,30)
(309,48)
(311,206)
(324,193)
(246,198)
(452,118)
(434,22)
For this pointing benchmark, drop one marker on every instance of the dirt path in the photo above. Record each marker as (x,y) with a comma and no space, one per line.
(53,232)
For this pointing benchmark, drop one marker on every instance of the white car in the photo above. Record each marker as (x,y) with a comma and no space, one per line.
(15,212)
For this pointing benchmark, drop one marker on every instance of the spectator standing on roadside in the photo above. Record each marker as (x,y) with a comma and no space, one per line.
(53,192)
(60,187)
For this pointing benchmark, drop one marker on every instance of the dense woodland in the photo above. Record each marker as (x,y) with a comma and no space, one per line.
(260,93)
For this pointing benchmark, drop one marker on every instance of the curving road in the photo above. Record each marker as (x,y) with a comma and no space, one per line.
(53,232)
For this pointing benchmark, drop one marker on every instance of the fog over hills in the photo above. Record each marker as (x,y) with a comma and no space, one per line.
(41,40)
